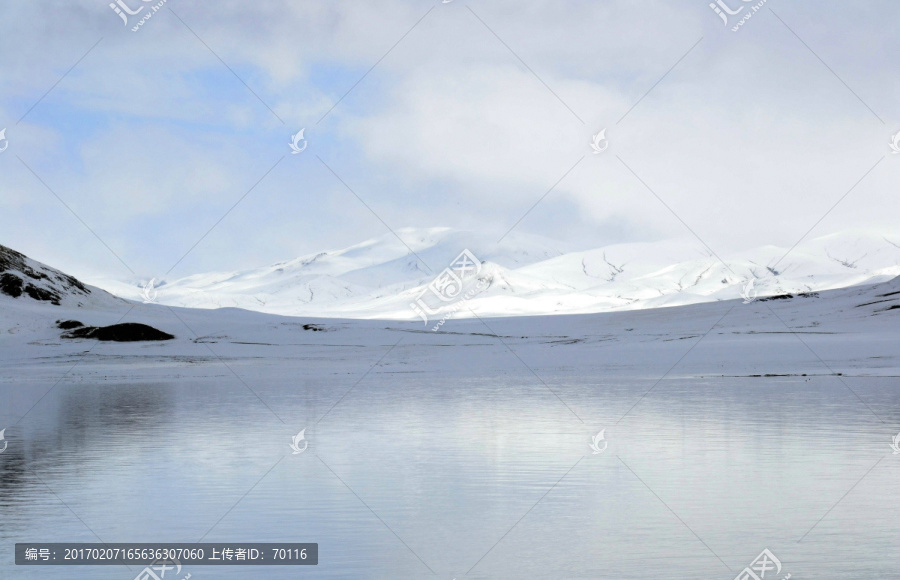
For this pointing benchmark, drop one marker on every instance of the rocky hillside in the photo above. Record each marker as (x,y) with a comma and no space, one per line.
(24,278)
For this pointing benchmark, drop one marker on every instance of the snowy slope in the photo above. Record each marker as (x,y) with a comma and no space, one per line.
(26,280)
(853,329)
(527,275)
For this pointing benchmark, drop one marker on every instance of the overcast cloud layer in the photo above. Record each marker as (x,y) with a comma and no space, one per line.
(461,114)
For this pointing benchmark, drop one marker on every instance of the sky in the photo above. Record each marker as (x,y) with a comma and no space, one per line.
(165,151)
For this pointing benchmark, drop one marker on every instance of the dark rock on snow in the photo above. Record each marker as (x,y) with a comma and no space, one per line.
(125,332)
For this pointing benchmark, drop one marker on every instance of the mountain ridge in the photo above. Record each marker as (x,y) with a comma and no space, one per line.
(526,275)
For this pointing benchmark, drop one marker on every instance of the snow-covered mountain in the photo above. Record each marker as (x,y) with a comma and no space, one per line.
(523,275)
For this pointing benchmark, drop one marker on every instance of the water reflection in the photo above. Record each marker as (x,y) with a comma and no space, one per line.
(451,467)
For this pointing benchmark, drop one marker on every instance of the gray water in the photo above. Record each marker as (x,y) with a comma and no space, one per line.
(417,475)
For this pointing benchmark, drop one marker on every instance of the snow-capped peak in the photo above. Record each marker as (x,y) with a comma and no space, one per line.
(529,275)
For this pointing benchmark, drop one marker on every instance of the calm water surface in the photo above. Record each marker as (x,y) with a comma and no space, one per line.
(415,476)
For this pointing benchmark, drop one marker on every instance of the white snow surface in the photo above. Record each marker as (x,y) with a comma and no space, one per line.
(527,275)
(851,331)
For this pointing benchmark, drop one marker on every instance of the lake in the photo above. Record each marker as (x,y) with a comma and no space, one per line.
(420,471)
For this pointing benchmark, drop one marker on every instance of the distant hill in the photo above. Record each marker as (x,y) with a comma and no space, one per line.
(527,275)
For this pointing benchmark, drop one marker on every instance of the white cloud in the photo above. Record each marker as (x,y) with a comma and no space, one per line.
(750,139)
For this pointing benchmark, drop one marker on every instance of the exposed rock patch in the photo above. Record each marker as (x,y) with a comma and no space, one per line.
(790,296)
(11,285)
(125,332)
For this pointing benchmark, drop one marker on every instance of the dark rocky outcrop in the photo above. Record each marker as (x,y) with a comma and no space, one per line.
(777,297)
(11,284)
(18,275)
(125,332)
